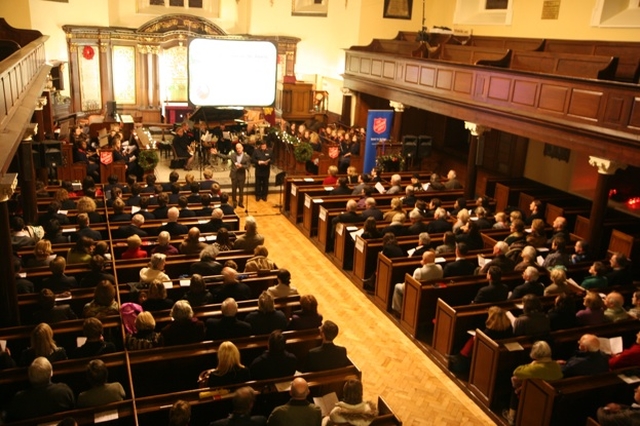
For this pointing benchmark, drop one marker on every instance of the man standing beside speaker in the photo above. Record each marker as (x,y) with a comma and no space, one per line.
(240,162)
(262,161)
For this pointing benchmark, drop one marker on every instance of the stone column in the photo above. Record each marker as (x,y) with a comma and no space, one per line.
(398,109)
(9,314)
(606,169)
(27,177)
(476,132)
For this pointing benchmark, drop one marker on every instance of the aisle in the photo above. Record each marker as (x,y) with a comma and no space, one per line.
(391,364)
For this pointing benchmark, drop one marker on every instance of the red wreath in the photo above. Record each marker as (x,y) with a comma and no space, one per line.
(88,52)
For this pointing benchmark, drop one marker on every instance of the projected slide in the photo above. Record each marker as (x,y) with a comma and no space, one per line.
(232,72)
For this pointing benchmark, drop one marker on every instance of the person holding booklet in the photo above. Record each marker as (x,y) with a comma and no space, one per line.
(587,361)
(627,358)
(352,410)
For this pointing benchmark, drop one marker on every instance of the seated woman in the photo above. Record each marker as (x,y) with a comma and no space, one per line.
(155,270)
(448,243)
(260,260)
(470,235)
(352,175)
(42,254)
(266,319)
(537,237)
(62,196)
(308,316)
(133,248)
(463,218)
(88,205)
(593,313)
(185,328)
(390,246)
(82,155)
(42,344)
(102,249)
(332,179)
(81,252)
(597,280)
(198,295)
(104,301)
(396,207)
(497,326)
(563,313)
(145,336)
(352,410)
(229,370)
(529,255)
(501,221)
(517,232)
(558,282)
(157,298)
(533,321)
(542,367)
(223,242)
(49,311)
(370,230)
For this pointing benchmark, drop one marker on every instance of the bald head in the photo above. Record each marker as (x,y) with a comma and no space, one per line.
(217,214)
(589,343)
(173,214)
(137,220)
(352,206)
(299,388)
(428,257)
(194,233)
(614,300)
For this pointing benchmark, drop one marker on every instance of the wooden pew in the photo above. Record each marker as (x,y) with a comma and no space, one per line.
(565,64)
(492,364)
(513,43)
(473,55)
(571,401)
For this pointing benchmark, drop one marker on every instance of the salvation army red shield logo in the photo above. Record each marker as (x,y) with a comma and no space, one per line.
(334,152)
(379,125)
(106,157)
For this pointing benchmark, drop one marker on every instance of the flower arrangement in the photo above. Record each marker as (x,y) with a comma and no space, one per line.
(302,151)
(390,162)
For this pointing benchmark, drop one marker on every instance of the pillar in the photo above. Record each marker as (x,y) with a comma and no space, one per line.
(606,169)
(398,109)
(27,182)
(476,142)
(9,314)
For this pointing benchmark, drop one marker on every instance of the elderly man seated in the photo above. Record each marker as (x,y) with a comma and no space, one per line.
(588,359)
(428,271)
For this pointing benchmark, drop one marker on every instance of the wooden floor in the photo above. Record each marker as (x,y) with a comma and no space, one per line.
(392,365)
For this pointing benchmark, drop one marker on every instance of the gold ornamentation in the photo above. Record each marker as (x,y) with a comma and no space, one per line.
(606,166)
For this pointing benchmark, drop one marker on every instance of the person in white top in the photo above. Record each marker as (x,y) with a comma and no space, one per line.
(283,288)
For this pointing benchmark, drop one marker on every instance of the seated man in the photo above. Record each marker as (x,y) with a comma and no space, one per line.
(42,397)
(134,227)
(417,224)
(461,266)
(266,319)
(531,284)
(297,409)
(227,327)
(232,287)
(101,392)
(214,223)
(207,264)
(275,361)
(615,311)
(243,400)
(172,226)
(621,271)
(424,244)
(428,271)
(452,181)
(500,259)
(616,414)
(588,359)
(327,356)
(185,211)
(58,282)
(396,186)
(495,291)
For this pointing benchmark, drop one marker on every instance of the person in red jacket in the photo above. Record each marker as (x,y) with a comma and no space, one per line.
(627,358)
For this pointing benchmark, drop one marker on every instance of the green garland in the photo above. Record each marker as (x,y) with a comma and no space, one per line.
(383,160)
(148,159)
(303,152)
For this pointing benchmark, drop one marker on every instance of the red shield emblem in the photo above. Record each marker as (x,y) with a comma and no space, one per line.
(334,152)
(379,125)
(106,157)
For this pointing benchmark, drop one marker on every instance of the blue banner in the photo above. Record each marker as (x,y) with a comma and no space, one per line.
(379,125)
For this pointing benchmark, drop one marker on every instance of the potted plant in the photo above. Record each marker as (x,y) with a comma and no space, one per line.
(148,159)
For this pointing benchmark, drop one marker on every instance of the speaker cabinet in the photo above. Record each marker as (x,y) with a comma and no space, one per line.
(425,145)
(112,109)
(409,146)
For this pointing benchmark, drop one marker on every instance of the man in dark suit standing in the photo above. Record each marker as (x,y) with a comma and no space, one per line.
(262,161)
(328,356)
(240,162)
(461,266)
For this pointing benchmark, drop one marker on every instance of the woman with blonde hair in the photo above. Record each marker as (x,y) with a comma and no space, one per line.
(396,207)
(104,301)
(133,248)
(155,270)
(229,370)
(332,179)
(42,254)
(42,344)
(145,336)
(88,205)
(558,282)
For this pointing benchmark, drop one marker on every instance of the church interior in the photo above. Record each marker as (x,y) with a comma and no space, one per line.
(528,110)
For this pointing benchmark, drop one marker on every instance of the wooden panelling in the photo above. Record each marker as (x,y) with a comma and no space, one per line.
(585,104)
(614,109)
(427,76)
(412,73)
(376,68)
(389,69)
(463,82)
(499,88)
(444,79)
(553,98)
(634,120)
(524,92)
